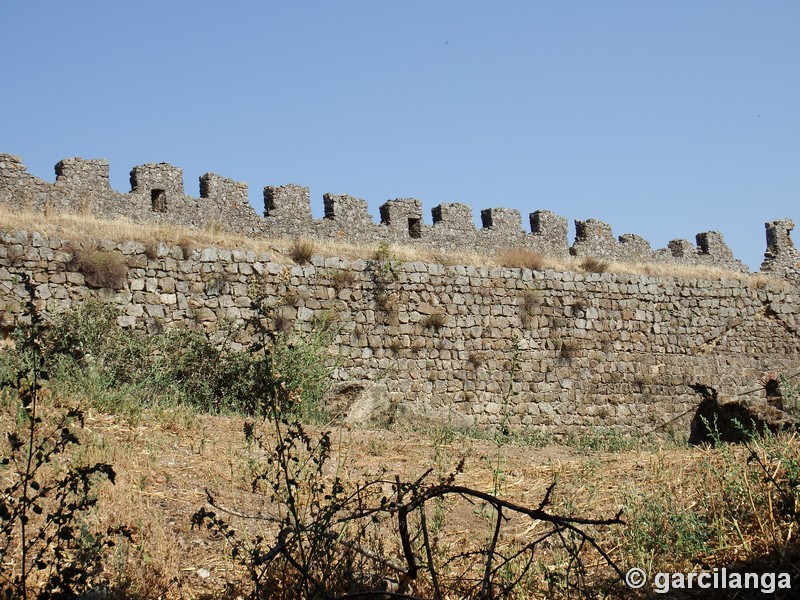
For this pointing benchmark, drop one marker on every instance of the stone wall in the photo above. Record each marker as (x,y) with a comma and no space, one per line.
(781,257)
(157,195)
(470,346)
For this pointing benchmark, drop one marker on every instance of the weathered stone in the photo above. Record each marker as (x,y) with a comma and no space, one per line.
(593,340)
(204,314)
(735,419)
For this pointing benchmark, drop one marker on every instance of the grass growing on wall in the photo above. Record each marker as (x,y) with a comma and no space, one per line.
(101,268)
(86,227)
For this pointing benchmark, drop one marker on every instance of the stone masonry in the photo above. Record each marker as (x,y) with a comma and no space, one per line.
(157,195)
(510,348)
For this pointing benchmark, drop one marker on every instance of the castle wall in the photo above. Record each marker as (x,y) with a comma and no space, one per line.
(781,257)
(512,348)
(157,195)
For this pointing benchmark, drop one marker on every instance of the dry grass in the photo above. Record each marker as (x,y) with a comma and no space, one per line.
(187,246)
(568,350)
(101,268)
(592,264)
(522,258)
(529,305)
(435,321)
(292,298)
(302,250)
(282,323)
(86,227)
(476,359)
(342,279)
(165,460)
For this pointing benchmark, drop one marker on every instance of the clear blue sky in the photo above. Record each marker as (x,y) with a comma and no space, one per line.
(661,118)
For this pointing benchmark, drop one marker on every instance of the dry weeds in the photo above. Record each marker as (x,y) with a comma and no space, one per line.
(165,461)
(85,227)
(522,258)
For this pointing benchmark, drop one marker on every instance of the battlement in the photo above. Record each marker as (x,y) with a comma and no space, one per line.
(781,256)
(157,195)
(224,190)
(288,208)
(81,174)
(455,216)
(160,176)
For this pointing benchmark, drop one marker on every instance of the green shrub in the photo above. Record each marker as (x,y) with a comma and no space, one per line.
(660,528)
(738,504)
(46,545)
(90,355)
(791,396)
(300,361)
(383,271)
(602,439)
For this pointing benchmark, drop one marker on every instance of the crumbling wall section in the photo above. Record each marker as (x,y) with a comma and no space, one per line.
(781,257)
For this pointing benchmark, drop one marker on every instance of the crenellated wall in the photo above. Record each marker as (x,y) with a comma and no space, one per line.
(466,345)
(157,195)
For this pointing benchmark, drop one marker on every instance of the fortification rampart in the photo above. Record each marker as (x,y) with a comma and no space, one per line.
(472,346)
(157,195)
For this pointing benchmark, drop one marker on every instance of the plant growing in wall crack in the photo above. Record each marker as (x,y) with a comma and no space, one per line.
(530,303)
(216,284)
(509,392)
(383,272)
(435,321)
(100,268)
(302,250)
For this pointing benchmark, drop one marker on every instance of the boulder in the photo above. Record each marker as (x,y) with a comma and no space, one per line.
(735,419)
(361,403)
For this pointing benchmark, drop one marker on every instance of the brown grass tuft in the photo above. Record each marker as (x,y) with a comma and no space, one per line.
(100,268)
(292,297)
(187,246)
(435,321)
(521,258)
(302,250)
(476,359)
(579,306)
(592,264)
(282,323)
(151,251)
(531,300)
(342,279)
(568,350)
